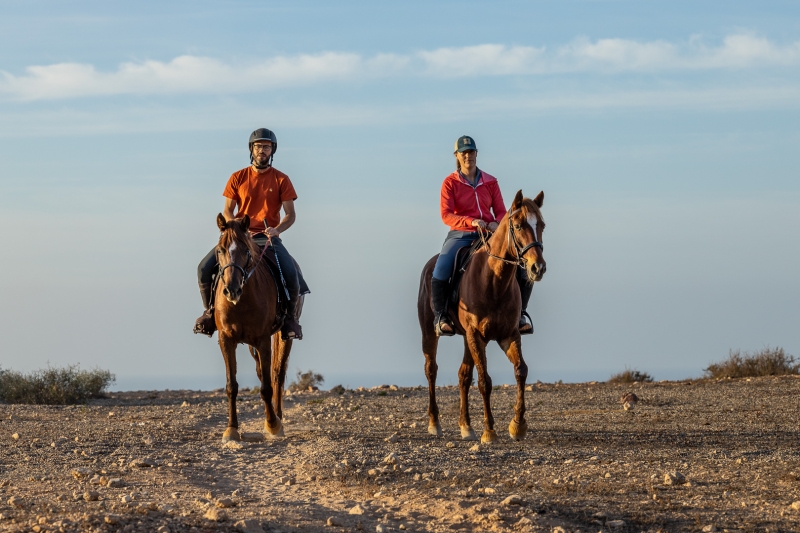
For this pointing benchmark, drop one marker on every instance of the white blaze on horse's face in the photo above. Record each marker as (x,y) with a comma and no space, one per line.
(533,221)
(232,250)
(535,269)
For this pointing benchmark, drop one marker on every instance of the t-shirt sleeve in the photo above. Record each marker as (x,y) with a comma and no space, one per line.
(287,190)
(232,188)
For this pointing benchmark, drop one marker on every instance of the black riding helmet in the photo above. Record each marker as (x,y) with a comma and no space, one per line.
(263,134)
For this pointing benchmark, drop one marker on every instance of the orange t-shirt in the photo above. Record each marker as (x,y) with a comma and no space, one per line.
(259,196)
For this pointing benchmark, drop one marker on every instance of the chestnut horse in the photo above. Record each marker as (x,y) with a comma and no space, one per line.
(246,311)
(489,308)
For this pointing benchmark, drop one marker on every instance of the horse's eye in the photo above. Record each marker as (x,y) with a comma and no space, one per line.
(517,227)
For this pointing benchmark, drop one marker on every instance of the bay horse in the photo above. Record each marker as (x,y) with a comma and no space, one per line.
(246,311)
(489,307)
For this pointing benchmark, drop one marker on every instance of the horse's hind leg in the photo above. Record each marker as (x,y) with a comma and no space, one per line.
(272,424)
(280,361)
(228,347)
(518,427)
(430,343)
(464,383)
(478,350)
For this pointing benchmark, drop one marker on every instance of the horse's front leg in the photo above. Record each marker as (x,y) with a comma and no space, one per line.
(228,348)
(272,423)
(280,361)
(513,348)
(430,344)
(464,383)
(477,348)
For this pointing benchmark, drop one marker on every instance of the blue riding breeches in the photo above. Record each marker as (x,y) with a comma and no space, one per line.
(447,258)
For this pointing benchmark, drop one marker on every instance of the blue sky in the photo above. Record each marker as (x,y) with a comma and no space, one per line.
(664,134)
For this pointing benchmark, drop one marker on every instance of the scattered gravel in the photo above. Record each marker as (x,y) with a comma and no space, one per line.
(692,456)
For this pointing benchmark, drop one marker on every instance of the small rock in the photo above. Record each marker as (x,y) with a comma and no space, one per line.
(148,440)
(145,462)
(126,499)
(334,521)
(224,503)
(163,529)
(796,505)
(16,501)
(215,514)
(451,444)
(391,459)
(283,480)
(475,448)
(628,401)
(15,436)
(115,483)
(80,472)
(559,529)
(489,490)
(413,425)
(233,445)
(514,499)
(185,404)
(709,528)
(524,521)
(112,519)
(674,478)
(91,496)
(356,509)
(613,524)
(380,528)
(393,438)
(248,525)
(111,413)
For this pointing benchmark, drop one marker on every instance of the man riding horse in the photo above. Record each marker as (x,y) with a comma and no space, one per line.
(259,191)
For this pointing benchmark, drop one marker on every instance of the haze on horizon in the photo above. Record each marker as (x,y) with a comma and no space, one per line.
(665,136)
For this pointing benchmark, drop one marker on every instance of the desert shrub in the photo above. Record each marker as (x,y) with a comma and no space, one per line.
(306,381)
(767,362)
(338,389)
(54,386)
(631,375)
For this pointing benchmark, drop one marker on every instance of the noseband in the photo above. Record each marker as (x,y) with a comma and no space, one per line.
(513,242)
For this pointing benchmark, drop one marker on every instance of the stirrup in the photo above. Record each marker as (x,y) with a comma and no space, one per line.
(206,323)
(291,330)
(525,324)
(437,325)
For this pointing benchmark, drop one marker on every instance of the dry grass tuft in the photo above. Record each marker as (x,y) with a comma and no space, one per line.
(767,362)
(629,376)
(54,386)
(306,381)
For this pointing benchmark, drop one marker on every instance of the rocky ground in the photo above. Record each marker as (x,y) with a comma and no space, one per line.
(690,456)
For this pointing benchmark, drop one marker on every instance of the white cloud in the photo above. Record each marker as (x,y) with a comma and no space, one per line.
(193,74)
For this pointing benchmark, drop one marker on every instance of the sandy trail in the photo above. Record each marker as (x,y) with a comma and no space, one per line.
(586,465)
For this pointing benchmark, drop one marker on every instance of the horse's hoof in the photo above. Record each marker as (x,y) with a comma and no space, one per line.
(517,431)
(231,434)
(435,430)
(488,436)
(467,433)
(276,431)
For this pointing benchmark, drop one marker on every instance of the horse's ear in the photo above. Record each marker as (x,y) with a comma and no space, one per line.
(246,223)
(539,200)
(517,203)
(221,222)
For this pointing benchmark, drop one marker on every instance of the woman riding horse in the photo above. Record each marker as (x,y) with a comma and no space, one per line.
(470,200)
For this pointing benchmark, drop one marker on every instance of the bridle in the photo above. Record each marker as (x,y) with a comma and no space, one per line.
(513,242)
(246,274)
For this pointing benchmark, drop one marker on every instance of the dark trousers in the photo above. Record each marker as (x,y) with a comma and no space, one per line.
(447,258)
(208,267)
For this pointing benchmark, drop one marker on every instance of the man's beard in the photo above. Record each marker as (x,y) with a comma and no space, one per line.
(260,161)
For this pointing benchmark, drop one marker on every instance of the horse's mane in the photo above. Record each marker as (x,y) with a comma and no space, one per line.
(235,232)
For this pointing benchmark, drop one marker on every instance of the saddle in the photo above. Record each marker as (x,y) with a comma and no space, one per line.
(463,258)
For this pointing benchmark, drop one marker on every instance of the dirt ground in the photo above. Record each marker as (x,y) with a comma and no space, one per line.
(154,461)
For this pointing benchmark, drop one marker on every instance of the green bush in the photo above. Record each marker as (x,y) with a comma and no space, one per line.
(629,376)
(306,381)
(338,389)
(54,386)
(767,362)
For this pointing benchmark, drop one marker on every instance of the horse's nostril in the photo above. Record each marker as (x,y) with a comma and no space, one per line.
(225,291)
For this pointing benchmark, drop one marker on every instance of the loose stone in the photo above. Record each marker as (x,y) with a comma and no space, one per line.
(91,496)
(112,519)
(356,509)
(514,499)
(215,514)
(334,521)
(674,478)
(248,525)
(16,501)
(393,438)
(224,503)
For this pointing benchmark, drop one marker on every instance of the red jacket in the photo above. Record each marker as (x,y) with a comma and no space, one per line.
(461,203)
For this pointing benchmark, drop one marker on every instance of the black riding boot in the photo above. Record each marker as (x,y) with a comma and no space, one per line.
(206,323)
(525,289)
(440,291)
(291,329)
